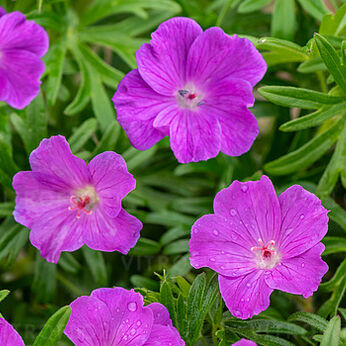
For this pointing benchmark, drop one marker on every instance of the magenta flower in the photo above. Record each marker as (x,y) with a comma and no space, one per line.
(8,335)
(245,342)
(193,86)
(115,316)
(22,45)
(259,242)
(66,203)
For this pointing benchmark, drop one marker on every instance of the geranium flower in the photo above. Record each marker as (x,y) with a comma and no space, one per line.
(8,335)
(115,316)
(22,45)
(245,342)
(259,242)
(194,87)
(66,203)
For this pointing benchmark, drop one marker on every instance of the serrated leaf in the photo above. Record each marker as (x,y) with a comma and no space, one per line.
(54,328)
(82,134)
(298,97)
(307,154)
(313,119)
(313,320)
(332,333)
(331,60)
(283,19)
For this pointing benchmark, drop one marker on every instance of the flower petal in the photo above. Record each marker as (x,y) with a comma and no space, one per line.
(111,180)
(247,295)
(304,221)
(57,230)
(2,11)
(301,274)
(164,336)
(245,342)
(101,232)
(17,33)
(215,55)
(161,314)
(255,205)
(137,105)
(228,101)
(36,195)
(162,63)
(8,335)
(53,157)
(130,320)
(218,243)
(22,71)
(194,135)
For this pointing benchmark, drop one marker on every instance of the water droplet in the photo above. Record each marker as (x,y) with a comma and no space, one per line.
(132,306)
(248,284)
(233,212)
(133,331)
(215,232)
(247,299)
(302,216)
(222,267)
(242,299)
(139,323)
(118,309)
(212,259)
(244,188)
(303,265)
(222,252)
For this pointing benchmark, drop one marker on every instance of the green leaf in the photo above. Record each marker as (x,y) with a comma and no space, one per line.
(4,294)
(6,208)
(332,60)
(54,68)
(180,267)
(44,283)
(81,135)
(313,119)
(144,282)
(297,97)
(109,139)
(166,298)
(313,65)
(335,167)
(338,276)
(145,247)
(313,320)
(334,25)
(283,19)
(183,285)
(334,245)
(136,157)
(315,7)
(177,247)
(307,154)
(69,263)
(173,234)
(332,333)
(252,5)
(97,266)
(54,328)
(337,296)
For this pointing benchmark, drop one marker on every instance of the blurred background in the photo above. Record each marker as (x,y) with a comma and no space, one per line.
(92,46)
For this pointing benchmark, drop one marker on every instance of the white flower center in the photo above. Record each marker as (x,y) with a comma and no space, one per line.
(84,200)
(189,98)
(266,256)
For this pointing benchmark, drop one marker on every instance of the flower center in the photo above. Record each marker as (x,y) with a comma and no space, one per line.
(266,254)
(189,98)
(84,200)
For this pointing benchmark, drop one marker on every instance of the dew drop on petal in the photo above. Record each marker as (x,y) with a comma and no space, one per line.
(212,259)
(233,212)
(139,323)
(248,284)
(244,188)
(133,331)
(302,216)
(215,232)
(242,299)
(132,306)
(303,265)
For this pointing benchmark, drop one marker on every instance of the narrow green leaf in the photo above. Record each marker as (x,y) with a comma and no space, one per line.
(252,5)
(108,140)
(334,25)
(307,154)
(168,301)
(177,247)
(6,208)
(183,285)
(339,275)
(334,245)
(54,68)
(144,282)
(297,97)
(314,64)
(4,294)
(97,266)
(69,263)
(332,333)
(54,328)
(332,60)
(283,19)
(314,119)
(139,157)
(181,316)
(315,7)
(145,247)
(338,294)
(82,134)
(337,214)
(173,234)
(313,320)
(336,165)
(180,267)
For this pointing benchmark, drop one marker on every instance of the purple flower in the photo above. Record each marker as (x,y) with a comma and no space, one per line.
(66,203)
(245,342)
(115,316)
(193,86)
(259,242)
(8,335)
(22,44)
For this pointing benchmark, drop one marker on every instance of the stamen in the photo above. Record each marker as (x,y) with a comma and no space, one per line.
(200,103)
(182,93)
(80,204)
(192,96)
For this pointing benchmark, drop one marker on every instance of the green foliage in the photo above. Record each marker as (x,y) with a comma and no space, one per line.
(300,107)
